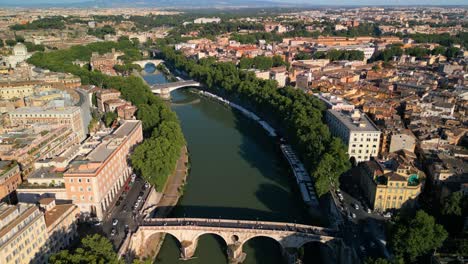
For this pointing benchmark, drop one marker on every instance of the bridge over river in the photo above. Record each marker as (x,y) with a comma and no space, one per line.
(234,233)
(165,89)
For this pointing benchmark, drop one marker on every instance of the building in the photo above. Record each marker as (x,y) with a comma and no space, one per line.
(279,74)
(405,140)
(357,131)
(367,49)
(388,189)
(334,102)
(10,177)
(104,95)
(302,81)
(207,20)
(105,62)
(20,54)
(93,181)
(60,221)
(17,89)
(69,116)
(23,234)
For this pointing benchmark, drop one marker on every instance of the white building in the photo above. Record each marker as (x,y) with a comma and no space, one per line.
(206,20)
(20,54)
(357,131)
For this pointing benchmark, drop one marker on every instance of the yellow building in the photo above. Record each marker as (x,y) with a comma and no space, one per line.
(23,234)
(390,189)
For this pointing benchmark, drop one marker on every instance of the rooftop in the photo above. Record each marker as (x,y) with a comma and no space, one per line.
(45,110)
(56,212)
(354,121)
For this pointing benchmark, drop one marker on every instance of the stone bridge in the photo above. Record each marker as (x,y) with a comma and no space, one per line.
(234,233)
(143,63)
(165,89)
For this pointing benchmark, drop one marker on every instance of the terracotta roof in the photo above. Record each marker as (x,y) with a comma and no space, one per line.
(46,201)
(55,213)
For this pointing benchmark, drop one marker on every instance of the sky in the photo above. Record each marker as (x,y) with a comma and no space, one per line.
(311,2)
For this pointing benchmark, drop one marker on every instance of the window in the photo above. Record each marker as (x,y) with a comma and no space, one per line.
(81,189)
(88,180)
(71,180)
(89,188)
(90,197)
(79,179)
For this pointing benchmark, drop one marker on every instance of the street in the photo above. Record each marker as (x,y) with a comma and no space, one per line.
(124,212)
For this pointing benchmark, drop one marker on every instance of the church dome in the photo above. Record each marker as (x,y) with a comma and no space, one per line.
(20,49)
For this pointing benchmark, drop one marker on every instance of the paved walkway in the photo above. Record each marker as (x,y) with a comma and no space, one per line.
(171,193)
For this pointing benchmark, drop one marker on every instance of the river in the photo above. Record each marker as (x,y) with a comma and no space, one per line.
(236,172)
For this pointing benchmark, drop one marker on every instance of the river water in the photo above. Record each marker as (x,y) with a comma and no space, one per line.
(236,172)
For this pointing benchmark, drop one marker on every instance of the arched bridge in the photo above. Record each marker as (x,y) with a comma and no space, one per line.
(165,89)
(143,63)
(234,233)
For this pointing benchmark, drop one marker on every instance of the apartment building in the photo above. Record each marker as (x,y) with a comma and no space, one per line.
(60,220)
(94,180)
(390,189)
(10,177)
(17,89)
(23,234)
(104,95)
(69,115)
(357,131)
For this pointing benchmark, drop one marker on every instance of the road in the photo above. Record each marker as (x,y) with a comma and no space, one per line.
(124,212)
(85,109)
(365,231)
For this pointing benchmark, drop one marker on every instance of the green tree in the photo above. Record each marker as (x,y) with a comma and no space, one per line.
(1,43)
(109,118)
(93,249)
(19,38)
(453,204)
(412,237)
(10,42)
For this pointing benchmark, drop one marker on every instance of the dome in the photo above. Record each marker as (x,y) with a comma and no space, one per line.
(20,49)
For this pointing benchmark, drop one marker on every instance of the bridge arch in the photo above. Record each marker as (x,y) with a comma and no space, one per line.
(152,241)
(262,242)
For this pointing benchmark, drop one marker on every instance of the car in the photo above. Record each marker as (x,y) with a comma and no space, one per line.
(147,185)
(140,198)
(141,193)
(115,222)
(113,232)
(353,215)
(356,206)
(388,215)
(97,223)
(368,210)
(133,177)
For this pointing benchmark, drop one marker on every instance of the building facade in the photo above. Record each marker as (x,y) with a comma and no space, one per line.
(357,131)
(69,115)
(10,177)
(23,234)
(94,181)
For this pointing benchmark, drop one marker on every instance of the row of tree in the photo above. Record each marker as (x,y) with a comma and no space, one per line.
(261,62)
(43,23)
(298,115)
(332,55)
(156,157)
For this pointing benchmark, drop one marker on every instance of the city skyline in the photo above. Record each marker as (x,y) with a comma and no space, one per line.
(183,3)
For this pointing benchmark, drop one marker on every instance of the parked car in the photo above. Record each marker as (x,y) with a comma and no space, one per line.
(356,206)
(113,232)
(115,222)
(147,185)
(353,215)
(388,215)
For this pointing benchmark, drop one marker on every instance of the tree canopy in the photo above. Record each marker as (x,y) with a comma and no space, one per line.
(94,249)
(412,237)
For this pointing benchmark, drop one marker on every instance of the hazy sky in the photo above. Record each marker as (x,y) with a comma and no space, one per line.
(311,2)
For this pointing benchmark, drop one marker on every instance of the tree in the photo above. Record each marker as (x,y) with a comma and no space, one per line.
(412,237)
(109,118)
(1,43)
(19,38)
(93,249)
(10,42)
(453,204)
